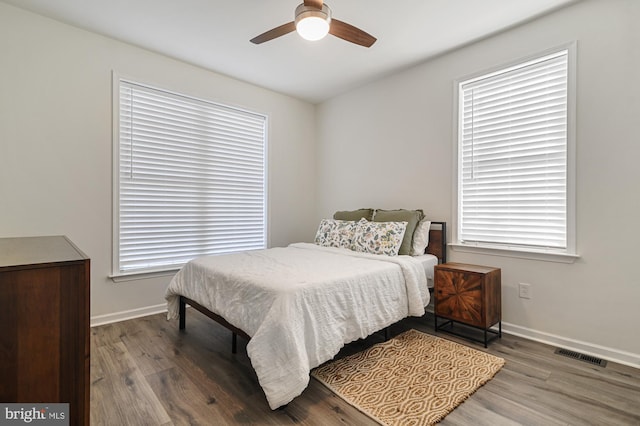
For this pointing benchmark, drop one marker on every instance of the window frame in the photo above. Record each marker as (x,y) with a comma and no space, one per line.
(117,275)
(568,255)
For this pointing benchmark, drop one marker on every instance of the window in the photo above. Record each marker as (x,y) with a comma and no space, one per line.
(189,179)
(514,158)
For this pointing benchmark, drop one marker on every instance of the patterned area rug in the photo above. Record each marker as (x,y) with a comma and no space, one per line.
(412,379)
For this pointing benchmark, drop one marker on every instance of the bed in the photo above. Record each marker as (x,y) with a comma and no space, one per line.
(299,305)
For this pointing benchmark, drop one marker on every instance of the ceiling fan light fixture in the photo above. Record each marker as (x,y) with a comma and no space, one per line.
(312,23)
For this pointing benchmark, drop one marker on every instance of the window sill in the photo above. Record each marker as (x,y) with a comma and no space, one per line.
(118,278)
(545,256)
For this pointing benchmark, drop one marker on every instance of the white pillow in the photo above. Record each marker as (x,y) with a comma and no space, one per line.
(335,233)
(421,237)
(378,237)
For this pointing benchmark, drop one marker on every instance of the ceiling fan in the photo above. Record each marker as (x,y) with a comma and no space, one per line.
(313,21)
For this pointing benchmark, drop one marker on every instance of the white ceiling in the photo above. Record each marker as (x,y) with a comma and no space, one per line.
(215,34)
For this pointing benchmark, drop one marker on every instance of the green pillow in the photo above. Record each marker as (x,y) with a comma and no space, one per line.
(412,217)
(354,215)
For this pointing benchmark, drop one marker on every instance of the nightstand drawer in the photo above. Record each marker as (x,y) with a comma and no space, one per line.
(459,296)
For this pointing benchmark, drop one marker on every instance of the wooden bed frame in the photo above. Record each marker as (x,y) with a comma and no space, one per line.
(437,247)
(438,241)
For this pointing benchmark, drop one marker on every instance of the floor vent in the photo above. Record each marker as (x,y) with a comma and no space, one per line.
(582,357)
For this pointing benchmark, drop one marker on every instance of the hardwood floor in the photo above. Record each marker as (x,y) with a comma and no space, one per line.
(145,372)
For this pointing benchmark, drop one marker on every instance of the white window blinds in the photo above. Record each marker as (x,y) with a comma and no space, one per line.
(513,156)
(191,179)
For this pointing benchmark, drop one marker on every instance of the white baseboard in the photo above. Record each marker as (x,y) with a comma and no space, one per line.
(613,355)
(126,315)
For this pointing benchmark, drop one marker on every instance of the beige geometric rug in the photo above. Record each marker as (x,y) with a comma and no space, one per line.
(412,379)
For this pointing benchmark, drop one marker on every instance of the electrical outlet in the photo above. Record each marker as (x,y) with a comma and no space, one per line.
(525,290)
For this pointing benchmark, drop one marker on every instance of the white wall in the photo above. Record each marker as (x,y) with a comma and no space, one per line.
(55,143)
(390,144)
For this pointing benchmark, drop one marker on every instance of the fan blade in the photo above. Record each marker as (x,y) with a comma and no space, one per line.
(274,33)
(350,33)
(314,3)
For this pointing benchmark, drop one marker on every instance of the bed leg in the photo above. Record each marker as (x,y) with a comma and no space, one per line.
(182,310)
(234,343)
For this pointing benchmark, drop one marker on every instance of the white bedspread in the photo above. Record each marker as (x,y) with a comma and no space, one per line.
(301,304)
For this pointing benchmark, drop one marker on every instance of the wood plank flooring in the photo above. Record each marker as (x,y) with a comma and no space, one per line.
(146,372)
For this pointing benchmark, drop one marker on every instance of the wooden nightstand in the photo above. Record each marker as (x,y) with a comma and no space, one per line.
(468,294)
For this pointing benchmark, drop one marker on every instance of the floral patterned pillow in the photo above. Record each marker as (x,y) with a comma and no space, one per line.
(379,237)
(335,233)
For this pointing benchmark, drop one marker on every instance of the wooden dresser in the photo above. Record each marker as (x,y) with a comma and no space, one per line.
(468,294)
(44,312)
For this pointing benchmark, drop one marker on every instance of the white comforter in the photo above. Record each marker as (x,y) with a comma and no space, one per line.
(300,304)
